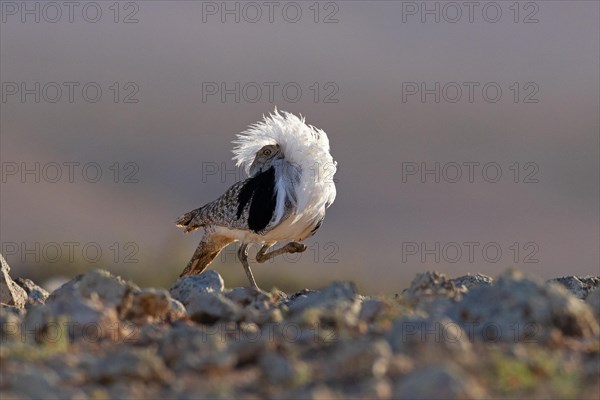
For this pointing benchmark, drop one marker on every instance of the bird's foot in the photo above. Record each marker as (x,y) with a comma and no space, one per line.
(295,247)
(291,247)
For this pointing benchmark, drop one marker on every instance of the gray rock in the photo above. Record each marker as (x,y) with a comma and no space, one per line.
(147,306)
(208,308)
(96,306)
(195,348)
(371,308)
(336,306)
(87,307)
(10,324)
(281,370)
(593,300)
(400,365)
(331,343)
(130,389)
(34,323)
(339,296)
(377,389)
(177,310)
(247,342)
(516,308)
(35,294)
(257,307)
(151,334)
(332,296)
(316,392)
(150,306)
(188,286)
(129,364)
(412,334)
(445,381)
(248,297)
(37,383)
(429,285)
(98,284)
(85,319)
(471,281)
(579,287)
(359,359)
(11,294)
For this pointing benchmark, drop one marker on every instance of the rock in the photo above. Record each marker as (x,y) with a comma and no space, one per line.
(257,307)
(471,281)
(246,341)
(431,293)
(95,305)
(248,297)
(412,334)
(377,389)
(400,365)
(87,307)
(72,365)
(580,287)
(129,364)
(37,383)
(147,306)
(10,324)
(195,348)
(100,284)
(516,308)
(445,381)
(34,323)
(359,359)
(443,338)
(281,370)
(208,308)
(593,300)
(35,294)
(338,303)
(430,285)
(86,319)
(176,310)
(371,308)
(129,389)
(317,392)
(335,307)
(334,296)
(150,334)
(10,293)
(188,286)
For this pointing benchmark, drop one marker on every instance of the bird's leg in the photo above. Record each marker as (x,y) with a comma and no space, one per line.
(243,256)
(209,247)
(291,247)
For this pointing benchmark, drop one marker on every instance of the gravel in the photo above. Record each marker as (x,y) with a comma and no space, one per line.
(99,336)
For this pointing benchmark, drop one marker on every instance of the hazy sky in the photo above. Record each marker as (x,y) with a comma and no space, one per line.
(498,102)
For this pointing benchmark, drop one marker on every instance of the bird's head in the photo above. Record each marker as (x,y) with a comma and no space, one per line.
(264,158)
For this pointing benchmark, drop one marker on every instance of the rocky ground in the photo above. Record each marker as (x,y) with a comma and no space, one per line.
(101,337)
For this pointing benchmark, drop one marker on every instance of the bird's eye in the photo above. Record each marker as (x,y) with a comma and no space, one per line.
(267,152)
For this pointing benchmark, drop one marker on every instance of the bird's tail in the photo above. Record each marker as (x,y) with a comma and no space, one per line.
(189,220)
(209,247)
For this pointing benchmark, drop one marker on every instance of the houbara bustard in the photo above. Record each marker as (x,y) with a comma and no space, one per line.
(290,185)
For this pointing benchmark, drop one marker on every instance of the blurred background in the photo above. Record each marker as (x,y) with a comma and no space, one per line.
(467,137)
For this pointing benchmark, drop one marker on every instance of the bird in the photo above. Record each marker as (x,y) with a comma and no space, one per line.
(289,186)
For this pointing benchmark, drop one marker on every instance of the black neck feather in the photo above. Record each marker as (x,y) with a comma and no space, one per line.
(260,192)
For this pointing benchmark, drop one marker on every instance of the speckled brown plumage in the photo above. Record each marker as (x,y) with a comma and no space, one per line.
(221,212)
